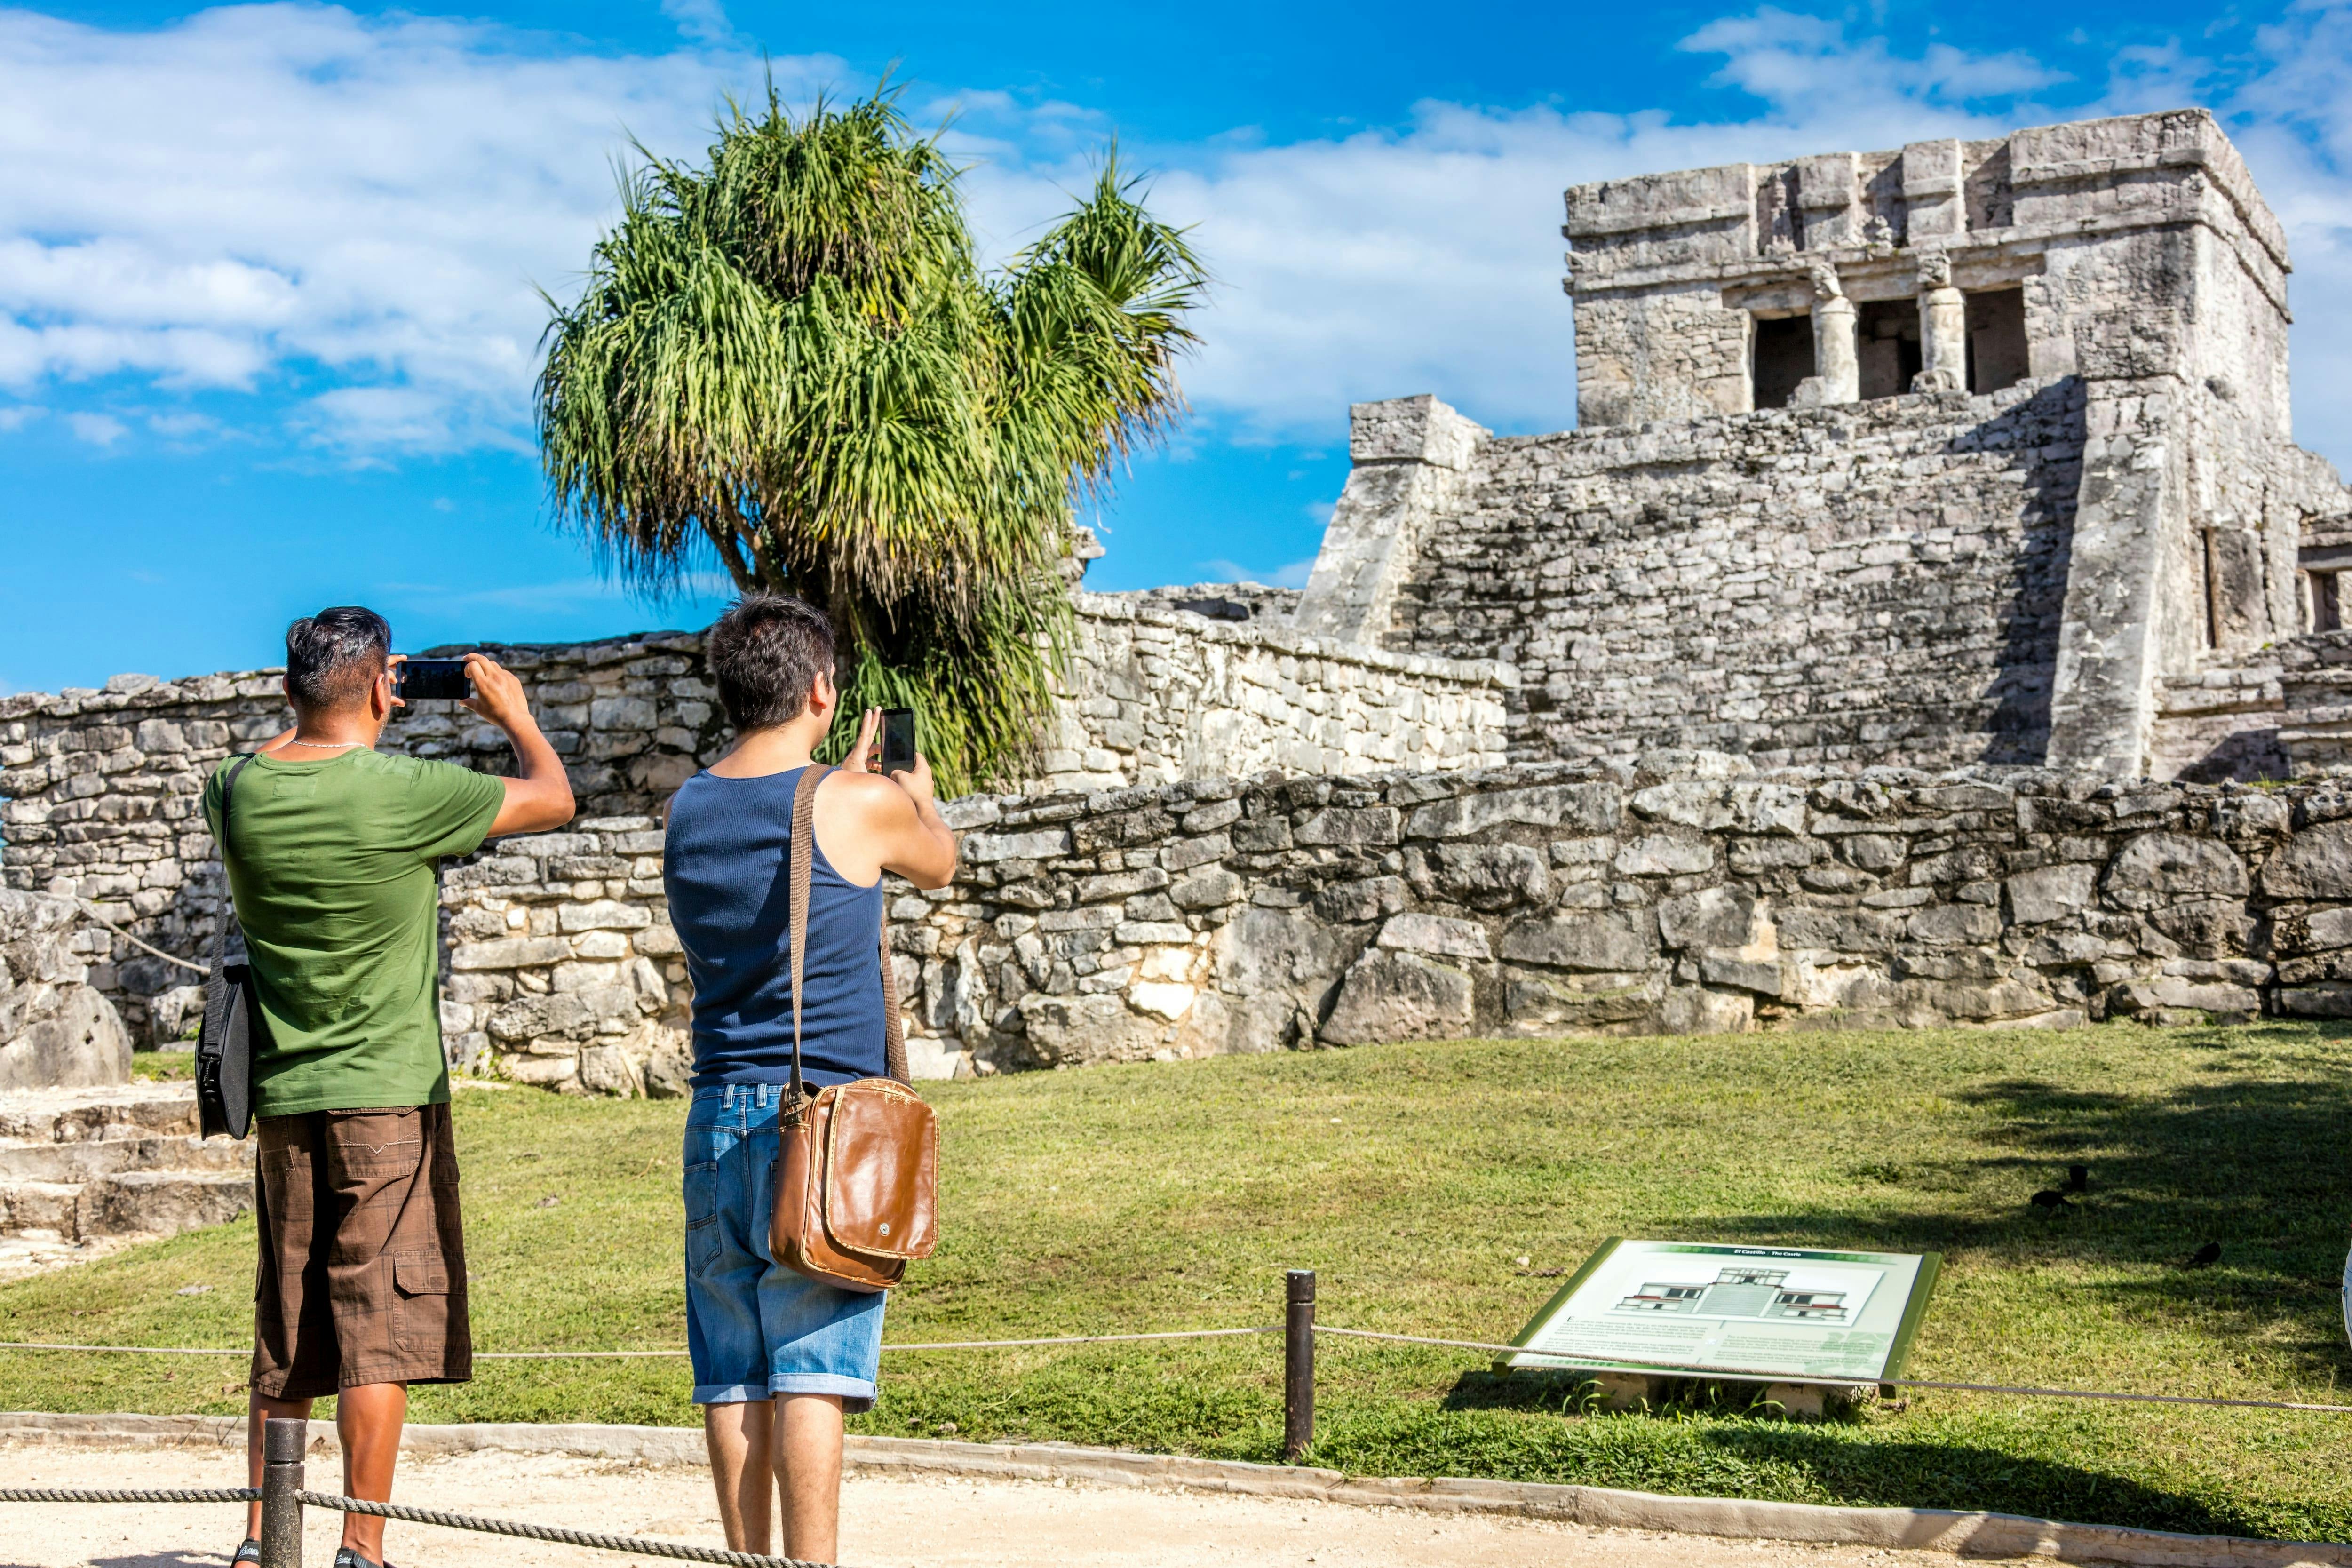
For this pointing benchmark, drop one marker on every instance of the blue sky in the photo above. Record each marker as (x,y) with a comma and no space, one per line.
(268,325)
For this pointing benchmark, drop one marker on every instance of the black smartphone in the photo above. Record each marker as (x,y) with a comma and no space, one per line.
(442,678)
(898,741)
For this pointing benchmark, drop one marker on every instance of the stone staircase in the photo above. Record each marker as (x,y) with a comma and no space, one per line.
(83,1170)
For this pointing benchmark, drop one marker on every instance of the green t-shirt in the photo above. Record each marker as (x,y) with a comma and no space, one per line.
(332,865)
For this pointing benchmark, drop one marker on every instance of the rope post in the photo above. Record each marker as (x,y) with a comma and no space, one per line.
(282,1443)
(1298,1365)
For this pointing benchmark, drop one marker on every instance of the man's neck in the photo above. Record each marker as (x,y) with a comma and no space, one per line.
(320,735)
(772,751)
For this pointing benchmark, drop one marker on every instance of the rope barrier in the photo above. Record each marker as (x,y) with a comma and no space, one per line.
(57,1494)
(1087,1339)
(590,1538)
(1684,1371)
(625,1355)
(1666,1368)
(447,1520)
(89,912)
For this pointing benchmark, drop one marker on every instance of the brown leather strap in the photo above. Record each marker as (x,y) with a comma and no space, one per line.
(803,860)
(893,1032)
(803,841)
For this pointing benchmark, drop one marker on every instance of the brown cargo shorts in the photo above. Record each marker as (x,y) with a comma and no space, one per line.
(362,1272)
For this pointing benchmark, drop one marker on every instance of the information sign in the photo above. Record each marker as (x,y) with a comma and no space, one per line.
(1668,1307)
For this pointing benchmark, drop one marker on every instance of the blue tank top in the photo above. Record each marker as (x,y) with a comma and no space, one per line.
(726,867)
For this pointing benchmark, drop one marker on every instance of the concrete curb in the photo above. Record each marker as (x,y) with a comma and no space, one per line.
(1904,1528)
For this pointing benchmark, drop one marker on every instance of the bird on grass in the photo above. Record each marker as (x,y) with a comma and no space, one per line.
(2205,1256)
(2078,1178)
(2050,1198)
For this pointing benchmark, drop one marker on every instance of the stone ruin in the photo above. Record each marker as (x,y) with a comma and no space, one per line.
(1930,621)
(1974,451)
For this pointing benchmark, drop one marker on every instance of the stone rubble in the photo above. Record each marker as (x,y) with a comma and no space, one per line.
(55,1027)
(82,1170)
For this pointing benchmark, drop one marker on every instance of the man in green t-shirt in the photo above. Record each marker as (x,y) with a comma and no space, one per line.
(330,851)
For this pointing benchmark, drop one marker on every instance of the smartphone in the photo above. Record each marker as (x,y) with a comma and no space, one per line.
(898,741)
(442,679)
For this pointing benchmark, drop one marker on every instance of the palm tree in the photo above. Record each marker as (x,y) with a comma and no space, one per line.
(791,360)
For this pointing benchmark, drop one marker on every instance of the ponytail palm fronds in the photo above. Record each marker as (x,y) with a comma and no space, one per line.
(791,360)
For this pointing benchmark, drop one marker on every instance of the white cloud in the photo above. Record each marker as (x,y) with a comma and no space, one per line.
(704,21)
(20,413)
(291,193)
(294,187)
(98,429)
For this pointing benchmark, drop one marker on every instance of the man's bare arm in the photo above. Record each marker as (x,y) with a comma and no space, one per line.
(902,821)
(540,799)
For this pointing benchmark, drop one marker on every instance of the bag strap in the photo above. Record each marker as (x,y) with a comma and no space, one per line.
(893,1034)
(803,842)
(213,981)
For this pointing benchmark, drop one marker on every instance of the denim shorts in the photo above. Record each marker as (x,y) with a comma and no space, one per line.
(753,1327)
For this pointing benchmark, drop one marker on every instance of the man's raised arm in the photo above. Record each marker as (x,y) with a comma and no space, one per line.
(540,799)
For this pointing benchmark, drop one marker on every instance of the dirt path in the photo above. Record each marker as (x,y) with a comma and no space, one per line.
(931,1523)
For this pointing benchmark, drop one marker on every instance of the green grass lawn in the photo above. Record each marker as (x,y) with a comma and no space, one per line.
(1413,1178)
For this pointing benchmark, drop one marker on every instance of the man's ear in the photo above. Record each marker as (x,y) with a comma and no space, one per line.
(823,696)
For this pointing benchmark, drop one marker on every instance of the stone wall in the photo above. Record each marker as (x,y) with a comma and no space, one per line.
(1678,892)
(102,787)
(1155,696)
(1870,584)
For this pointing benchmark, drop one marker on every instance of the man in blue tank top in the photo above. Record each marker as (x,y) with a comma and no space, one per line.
(778,1357)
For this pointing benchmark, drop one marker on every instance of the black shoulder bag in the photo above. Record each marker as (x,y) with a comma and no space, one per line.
(224,1049)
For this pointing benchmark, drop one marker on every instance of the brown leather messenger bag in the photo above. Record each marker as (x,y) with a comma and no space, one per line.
(857,1177)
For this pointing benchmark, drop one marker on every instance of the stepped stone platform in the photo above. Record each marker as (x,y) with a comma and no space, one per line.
(84,1171)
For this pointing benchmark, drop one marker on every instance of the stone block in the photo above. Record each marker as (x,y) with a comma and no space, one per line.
(2157,869)
(549,1015)
(1437,936)
(1663,855)
(1489,875)
(1207,888)
(1954,925)
(1389,996)
(2331,999)
(1712,917)
(1165,999)
(1346,903)
(1692,1010)
(1075,1030)
(1349,827)
(2051,892)
(510,952)
(2314,864)
(1600,942)
(1045,844)
(604,914)
(1185,855)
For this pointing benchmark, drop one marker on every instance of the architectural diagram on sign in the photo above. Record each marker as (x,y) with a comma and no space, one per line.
(1741,1293)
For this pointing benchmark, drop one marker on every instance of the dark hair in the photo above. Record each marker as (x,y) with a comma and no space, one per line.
(333,657)
(765,654)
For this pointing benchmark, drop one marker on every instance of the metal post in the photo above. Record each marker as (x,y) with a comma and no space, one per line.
(1298,1366)
(282,1443)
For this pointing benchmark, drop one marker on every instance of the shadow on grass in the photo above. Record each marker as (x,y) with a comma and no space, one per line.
(1713,1446)
(2247,1156)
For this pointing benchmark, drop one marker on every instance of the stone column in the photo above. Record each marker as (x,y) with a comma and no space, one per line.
(1837,364)
(1943,328)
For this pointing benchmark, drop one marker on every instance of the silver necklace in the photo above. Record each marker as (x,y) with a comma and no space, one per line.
(323,745)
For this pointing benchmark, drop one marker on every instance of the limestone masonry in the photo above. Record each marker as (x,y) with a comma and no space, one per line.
(1901,637)
(1975,452)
